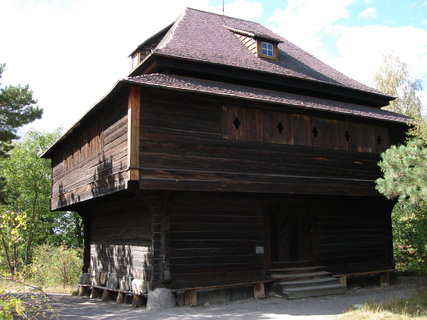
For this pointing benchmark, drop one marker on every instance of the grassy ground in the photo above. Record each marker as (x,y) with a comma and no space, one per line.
(14,286)
(402,309)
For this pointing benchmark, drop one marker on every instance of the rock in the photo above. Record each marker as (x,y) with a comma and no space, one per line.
(160,298)
(103,276)
(139,286)
(95,278)
(29,288)
(85,278)
(113,281)
(124,285)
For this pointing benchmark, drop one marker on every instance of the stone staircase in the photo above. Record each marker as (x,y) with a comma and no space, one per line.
(303,282)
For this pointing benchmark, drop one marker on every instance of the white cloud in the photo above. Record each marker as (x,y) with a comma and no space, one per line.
(359,50)
(243,9)
(424,21)
(73,52)
(72,55)
(368,13)
(306,22)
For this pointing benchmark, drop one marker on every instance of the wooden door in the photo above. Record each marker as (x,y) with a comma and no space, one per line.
(291,236)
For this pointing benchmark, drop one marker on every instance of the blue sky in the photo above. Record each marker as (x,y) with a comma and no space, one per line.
(72,52)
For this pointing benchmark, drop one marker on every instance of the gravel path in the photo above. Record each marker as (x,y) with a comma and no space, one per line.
(322,308)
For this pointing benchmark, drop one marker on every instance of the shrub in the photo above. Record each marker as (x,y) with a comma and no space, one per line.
(9,306)
(410,238)
(56,265)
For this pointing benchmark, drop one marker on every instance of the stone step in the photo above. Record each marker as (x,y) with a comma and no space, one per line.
(309,282)
(300,276)
(296,270)
(314,291)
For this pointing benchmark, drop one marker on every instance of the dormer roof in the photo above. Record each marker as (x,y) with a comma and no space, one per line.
(254,35)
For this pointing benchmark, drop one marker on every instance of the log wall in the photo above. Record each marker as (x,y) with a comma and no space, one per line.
(192,239)
(97,166)
(186,145)
(121,238)
(213,239)
(355,235)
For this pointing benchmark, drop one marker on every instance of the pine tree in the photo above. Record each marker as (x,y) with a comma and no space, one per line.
(17,108)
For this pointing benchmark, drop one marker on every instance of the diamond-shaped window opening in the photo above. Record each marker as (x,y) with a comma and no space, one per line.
(379,140)
(236,123)
(347,136)
(315,132)
(280,128)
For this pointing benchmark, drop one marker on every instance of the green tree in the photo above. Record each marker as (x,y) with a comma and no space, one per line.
(393,77)
(17,107)
(27,192)
(405,179)
(405,167)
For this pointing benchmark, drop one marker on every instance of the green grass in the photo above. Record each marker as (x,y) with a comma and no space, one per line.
(399,309)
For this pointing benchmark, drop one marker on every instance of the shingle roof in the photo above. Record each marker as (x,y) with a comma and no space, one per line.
(243,92)
(204,36)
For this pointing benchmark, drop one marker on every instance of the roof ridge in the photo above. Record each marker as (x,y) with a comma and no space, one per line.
(169,35)
(203,36)
(221,15)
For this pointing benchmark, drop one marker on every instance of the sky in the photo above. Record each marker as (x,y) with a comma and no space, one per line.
(72,52)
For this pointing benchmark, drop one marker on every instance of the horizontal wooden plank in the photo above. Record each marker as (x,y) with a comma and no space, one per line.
(213,252)
(230,235)
(214,243)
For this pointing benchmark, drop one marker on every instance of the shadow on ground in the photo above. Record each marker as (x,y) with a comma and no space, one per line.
(76,308)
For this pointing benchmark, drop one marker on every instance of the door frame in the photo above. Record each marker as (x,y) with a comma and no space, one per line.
(310,211)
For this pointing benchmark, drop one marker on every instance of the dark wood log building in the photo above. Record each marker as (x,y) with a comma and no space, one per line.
(227,152)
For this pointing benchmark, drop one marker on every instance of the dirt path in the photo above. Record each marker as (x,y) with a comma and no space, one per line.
(322,308)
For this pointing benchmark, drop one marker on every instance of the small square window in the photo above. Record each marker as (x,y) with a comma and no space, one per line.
(267,49)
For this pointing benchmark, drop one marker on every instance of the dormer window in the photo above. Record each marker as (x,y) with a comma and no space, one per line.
(261,45)
(267,49)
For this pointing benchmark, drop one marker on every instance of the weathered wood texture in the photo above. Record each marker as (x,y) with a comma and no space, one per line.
(98,164)
(213,239)
(160,246)
(184,146)
(249,43)
(344,234)
(194,239)
(252,124)
(121,238)
(134,106)
(355,235)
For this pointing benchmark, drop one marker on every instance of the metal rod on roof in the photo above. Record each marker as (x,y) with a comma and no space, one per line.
(222,7)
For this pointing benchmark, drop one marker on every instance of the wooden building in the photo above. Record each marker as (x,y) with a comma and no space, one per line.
(227,156)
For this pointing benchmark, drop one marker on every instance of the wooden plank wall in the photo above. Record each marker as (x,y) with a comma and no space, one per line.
(354,234)
(183,148)
(95,173)
(121,238)
(213,238)
(292,129)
